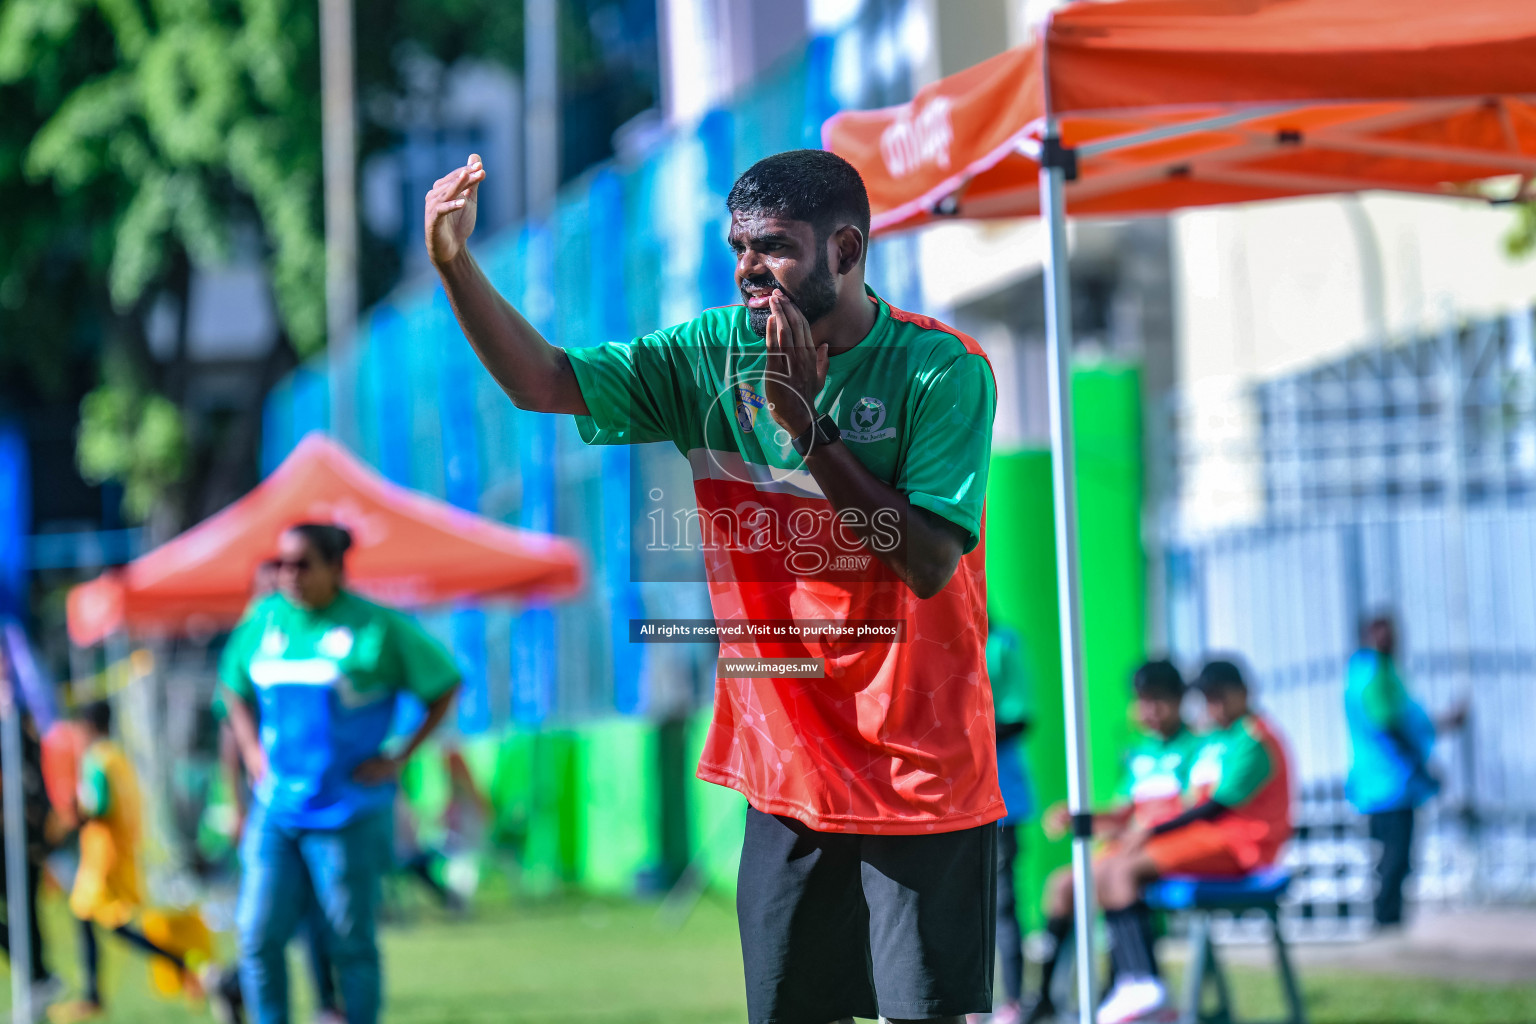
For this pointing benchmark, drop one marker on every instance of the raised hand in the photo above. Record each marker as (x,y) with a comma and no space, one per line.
(450,211)
(797,377)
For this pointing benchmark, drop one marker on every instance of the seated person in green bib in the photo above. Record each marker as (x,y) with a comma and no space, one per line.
(1237,820)
(324,667)
(1151,791)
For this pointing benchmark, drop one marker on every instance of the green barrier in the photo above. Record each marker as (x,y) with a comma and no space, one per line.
(717,817)
(551,851)
(1021,585)
(510,792)
(1106,405)
(574,807)
(1021,591)
(481,755)
(424,781)
(619,806)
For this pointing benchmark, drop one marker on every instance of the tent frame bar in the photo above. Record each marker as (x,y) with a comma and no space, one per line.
(18,909)
(1056,273)
(1173,131)
(1055,165)
(1058,325)
(1415,109)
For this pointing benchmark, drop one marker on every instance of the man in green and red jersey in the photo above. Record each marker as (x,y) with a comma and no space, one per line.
(1239,816)
(839,449)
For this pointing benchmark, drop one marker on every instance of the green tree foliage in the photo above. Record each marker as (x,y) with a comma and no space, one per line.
(202,111)
(142,132)
(53,248)
(133,436)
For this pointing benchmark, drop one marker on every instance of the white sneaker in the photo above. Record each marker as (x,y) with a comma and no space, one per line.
(1137,1001)
(1161,1012)
(1113,1009)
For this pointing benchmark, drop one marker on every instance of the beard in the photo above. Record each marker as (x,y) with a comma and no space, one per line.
(816,297)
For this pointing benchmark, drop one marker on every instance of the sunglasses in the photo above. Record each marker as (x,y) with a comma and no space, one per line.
(295,564)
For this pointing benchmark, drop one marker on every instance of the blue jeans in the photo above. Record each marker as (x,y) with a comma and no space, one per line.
(283,870)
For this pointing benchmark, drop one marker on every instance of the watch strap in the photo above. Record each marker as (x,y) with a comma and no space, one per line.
(823,430)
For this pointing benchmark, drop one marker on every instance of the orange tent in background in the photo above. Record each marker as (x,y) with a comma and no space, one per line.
(408,550)
(1146,106)
(1175,103)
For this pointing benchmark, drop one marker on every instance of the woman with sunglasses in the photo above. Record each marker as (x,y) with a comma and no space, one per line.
(324,667)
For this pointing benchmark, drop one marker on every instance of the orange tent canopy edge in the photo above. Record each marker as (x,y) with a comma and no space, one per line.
(1177,103)
(408,549)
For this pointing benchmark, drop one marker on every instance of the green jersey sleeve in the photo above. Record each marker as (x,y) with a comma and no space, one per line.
(1383,695)
(1245,767)
(950,445)
(638,391)
(235,662)
(94,793)
(423,666)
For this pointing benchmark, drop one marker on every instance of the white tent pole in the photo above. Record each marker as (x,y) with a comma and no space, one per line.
(16,907)
(1058,347)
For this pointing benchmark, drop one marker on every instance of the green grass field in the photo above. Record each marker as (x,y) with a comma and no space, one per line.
(590,962)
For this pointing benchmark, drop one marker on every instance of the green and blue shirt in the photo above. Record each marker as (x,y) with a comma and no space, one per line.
(324,683)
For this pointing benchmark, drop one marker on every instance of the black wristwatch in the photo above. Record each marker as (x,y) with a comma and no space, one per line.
(823,431)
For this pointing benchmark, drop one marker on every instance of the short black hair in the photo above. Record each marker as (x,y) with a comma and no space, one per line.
(1158,680)
(1220,676)
(97,714)
(1372,621)
(812,185)
(331,542)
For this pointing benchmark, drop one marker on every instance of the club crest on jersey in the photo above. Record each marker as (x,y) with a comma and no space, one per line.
(748,404)
(336,643)
(274,642)
(866,420)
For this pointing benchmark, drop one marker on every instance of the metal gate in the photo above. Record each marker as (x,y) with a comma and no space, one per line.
(1401,479)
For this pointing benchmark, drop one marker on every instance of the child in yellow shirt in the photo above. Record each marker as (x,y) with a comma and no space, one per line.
(109,889)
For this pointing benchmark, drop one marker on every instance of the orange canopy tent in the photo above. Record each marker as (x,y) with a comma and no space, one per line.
(1174,103)
(408,549)
(1146,106)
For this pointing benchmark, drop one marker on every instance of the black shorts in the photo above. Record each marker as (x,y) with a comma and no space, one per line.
(836,925)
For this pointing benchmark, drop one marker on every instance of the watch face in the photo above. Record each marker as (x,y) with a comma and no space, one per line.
(823,430)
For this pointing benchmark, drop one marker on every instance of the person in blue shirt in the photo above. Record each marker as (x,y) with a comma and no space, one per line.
(322,977)
(1391,738)
(323,666)
(1010,707)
